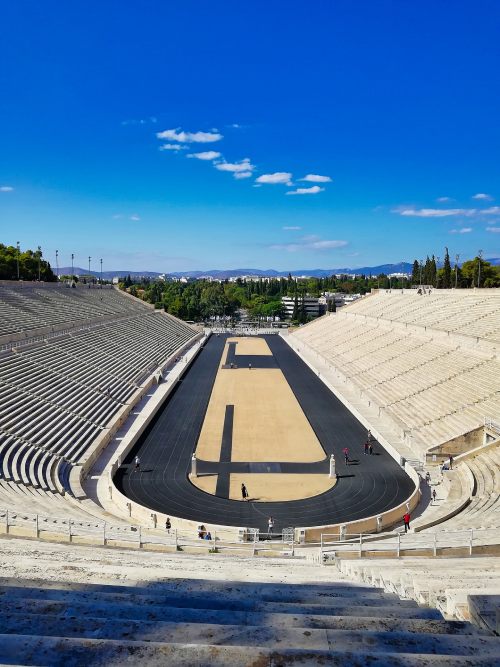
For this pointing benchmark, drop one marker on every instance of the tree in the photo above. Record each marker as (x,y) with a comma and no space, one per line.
(490,275)
(446,276)
(415,274)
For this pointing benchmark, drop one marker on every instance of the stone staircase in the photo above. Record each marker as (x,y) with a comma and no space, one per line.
(81,606)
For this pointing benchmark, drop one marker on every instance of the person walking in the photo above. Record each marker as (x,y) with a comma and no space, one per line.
(249,367)
(451,462)
(369,435)
(406,519)
(137,462)
(434,494)
(346,455)
(168,525)
(367,446)
(370,448)
(270,526)
(244,492)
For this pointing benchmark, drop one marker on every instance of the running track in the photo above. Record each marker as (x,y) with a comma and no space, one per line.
(370,485)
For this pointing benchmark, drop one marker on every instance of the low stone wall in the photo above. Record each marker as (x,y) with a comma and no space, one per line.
(460,445)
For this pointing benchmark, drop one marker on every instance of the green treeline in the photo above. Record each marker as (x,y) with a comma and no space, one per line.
(474,273)
(202,299)
(24,264)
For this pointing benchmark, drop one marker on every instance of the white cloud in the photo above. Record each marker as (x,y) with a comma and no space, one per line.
(482,196)
(135,217)
(279,177)
(243,166)
(463,230)
(290,228)
(444,200)
(172,147)
(306,191)
(189,137)
(206,155)
(493,230)
(312,242)
(434,212)
(316,178)
(242,174)
(492,210)
(6,188)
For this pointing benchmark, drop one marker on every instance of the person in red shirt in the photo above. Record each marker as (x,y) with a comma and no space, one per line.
(406,519)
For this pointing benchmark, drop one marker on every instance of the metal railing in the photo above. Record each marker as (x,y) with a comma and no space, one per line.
(398,544)
(103,533)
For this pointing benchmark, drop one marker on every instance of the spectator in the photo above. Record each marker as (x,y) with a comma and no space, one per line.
(406,519)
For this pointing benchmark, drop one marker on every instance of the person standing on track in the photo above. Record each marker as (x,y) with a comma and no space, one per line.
(244,492)
(270,526)
(367,445)
(346,455)
(137,462)
(406,519)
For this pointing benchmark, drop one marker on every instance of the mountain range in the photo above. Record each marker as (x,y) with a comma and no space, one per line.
(222,274)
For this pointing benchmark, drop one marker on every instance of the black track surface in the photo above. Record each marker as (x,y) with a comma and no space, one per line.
(368,485)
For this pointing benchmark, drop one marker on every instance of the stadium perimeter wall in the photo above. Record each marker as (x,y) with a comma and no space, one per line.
(115,501)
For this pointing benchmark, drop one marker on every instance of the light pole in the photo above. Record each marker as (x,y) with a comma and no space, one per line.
(89,268)
(479,257)
(57,264)
(456,270)
(437,269)
(101,272)
(39,253)
(18,254)
(72,269)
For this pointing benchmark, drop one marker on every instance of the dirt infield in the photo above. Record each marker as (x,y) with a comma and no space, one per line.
(267,425)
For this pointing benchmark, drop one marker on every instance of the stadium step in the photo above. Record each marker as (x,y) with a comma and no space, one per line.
(202,622)
(71,652)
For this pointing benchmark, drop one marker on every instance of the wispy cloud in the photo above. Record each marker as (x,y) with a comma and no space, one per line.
(446,212)
(172,147)
(462,230)
(140,121)
(291,228)
(6,188)
(242,167)
(179,135)
(482,196)
(493,230)
(316,178)
(120,216)
(242,174)
(278,178)
(312,242)
(206,155)
(306,191)
(444,200)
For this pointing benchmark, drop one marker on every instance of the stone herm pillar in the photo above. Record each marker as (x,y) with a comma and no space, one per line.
(332,467)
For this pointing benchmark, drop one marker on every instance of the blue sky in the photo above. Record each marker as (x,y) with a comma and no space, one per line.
(321,134)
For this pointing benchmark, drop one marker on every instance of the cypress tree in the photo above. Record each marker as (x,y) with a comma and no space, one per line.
(415,274)
(446,270)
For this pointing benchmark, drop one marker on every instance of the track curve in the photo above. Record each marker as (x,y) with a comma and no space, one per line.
(372,485)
